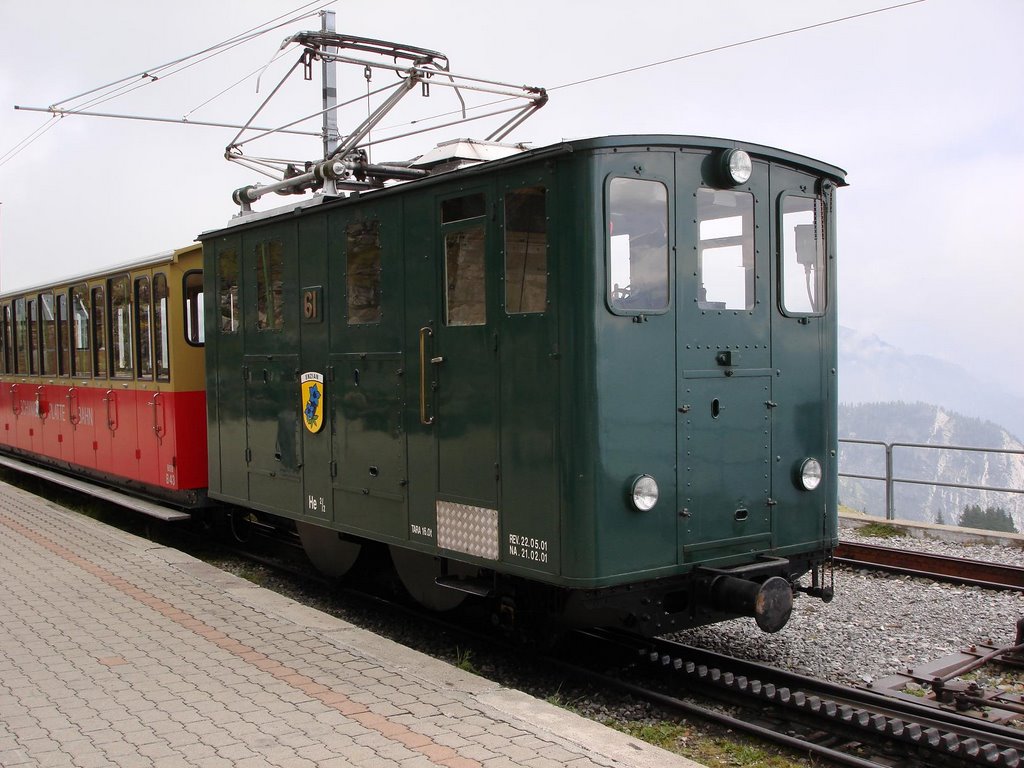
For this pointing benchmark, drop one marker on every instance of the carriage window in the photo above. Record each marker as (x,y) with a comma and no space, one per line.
(526,251)
(63,350)
(99,331)
(81,365)
(803,256)
(33,342)
(120,327)
(227,291)
(160,353)
(47,335)
(269,283)
(465,300)
(5,339)
(195,320)
(725,262)
(143,313)
(20,337)
(637,245)
(362,249)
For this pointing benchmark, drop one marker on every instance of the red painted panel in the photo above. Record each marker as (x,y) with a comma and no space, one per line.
(8,428)
(186,427)
(53,421)
(159,440)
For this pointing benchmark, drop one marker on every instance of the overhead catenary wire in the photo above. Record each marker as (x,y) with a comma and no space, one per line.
(682,57)
(132,82)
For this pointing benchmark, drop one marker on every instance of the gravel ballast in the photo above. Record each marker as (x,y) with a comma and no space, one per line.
(879,623)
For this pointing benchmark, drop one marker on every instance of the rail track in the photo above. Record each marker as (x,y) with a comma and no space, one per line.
(837,723)
(956,570)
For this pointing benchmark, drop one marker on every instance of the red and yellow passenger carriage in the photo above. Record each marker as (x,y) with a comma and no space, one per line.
(104,374)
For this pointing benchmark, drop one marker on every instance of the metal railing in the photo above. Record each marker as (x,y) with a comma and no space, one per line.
(891,480)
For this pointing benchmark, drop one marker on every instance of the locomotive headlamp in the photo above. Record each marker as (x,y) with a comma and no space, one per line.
(644,492)
(810,474)
(736,166)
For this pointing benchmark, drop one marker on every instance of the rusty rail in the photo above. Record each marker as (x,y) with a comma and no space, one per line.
(953,569)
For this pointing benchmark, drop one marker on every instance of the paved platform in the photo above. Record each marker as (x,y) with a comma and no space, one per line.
(115,651)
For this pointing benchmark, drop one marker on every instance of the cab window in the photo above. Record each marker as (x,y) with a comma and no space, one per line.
(526,251)
(725,259)
(802,256)
(637,245)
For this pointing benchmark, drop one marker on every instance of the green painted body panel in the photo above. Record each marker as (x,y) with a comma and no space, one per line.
(532,426)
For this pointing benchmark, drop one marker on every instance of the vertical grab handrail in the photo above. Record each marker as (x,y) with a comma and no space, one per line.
(74,417)
(425,332)
(157,404)
(108,398)
(15,402)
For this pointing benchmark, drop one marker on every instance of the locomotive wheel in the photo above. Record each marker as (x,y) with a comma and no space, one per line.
(330,554)
(417,571)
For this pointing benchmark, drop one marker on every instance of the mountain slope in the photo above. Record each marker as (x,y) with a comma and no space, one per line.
(872,371)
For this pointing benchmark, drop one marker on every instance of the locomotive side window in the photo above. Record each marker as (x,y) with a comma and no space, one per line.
(160,351)
(81,364)
(803,256)
(269,286)
(637,245)
(464,251)
(47,335)
(143,314)
(227,291)
(99,330)
(33,342)
(526,251)
(195,320)
(362,249)
(462,208)
(20,337)
(465,300)
(726,255)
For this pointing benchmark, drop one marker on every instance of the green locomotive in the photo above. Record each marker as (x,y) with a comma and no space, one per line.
(594,381)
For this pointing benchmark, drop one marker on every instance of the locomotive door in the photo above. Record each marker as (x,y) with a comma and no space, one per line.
(803,350)
(456,373)
(725,378)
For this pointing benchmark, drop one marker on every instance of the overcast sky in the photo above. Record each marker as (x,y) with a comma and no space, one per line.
(922,105)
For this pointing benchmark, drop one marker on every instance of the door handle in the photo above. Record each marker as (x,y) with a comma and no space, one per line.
(425,333)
